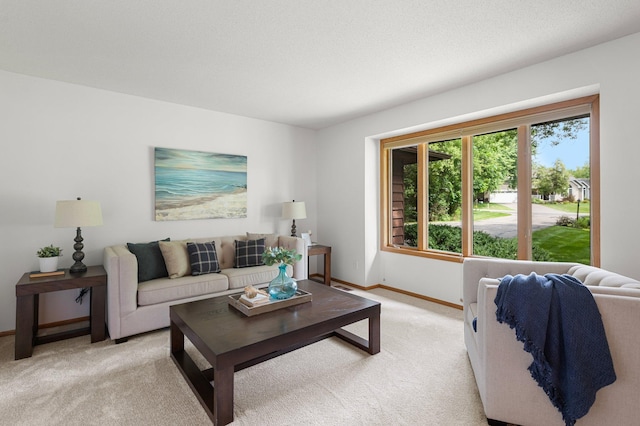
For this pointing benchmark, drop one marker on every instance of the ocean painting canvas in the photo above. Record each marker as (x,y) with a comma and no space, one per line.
(199,185)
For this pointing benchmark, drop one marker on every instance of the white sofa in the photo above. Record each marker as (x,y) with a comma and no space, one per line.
(499,362)
(134,307)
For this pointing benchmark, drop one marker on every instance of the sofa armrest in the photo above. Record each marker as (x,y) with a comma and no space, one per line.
(501,368)
(299,268)
(122,285)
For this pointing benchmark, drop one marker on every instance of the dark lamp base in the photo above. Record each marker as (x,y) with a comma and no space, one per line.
(78,267)
(78,255)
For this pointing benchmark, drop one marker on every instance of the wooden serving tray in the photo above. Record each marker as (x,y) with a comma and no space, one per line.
(301,296)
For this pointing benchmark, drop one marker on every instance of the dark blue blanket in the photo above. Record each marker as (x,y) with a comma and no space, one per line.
(558,320)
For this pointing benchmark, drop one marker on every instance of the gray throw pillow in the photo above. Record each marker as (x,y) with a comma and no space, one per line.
(150,261)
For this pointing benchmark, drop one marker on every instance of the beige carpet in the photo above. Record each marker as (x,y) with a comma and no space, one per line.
(421,377)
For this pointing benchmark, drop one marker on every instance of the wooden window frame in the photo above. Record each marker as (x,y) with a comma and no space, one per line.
(520,120)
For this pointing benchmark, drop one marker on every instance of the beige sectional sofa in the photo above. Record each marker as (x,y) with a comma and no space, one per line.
(135,307)
(499,362)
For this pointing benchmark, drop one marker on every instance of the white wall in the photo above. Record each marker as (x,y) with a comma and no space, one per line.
(348,199)
(61,141)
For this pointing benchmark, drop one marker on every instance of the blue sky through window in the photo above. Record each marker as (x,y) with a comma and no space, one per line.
(572,152)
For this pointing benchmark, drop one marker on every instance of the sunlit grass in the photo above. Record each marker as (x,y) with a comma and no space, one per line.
(491,206)
(483,215)
(565,244)
(585,208)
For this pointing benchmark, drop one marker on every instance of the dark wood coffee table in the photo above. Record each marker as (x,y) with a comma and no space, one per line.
(231,341)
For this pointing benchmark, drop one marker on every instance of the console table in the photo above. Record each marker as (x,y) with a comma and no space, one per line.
(27,301)
(316,249)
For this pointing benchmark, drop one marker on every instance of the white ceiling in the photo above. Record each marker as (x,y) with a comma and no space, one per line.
(308,63)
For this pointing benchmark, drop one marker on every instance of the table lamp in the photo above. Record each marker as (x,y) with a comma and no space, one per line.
(74,214)
(294,210)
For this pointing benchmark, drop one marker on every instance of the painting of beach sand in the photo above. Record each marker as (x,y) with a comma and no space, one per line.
(199,185)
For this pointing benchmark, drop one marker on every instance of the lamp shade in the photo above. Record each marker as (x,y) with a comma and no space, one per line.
(294,210)
(77,213)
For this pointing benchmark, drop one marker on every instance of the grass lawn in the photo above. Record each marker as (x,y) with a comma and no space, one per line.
(477,215)
(482,215)
(490,206)
(565,244)
(570,208)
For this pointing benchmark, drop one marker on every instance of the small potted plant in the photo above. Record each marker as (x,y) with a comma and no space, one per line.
(282,286)
(48,257)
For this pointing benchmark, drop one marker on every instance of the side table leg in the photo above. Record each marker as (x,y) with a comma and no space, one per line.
(327,269)
(25,325)
(97,296)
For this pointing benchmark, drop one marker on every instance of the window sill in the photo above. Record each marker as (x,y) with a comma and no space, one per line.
(429,254)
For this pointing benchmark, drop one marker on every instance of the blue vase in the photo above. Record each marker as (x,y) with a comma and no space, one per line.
(283,286)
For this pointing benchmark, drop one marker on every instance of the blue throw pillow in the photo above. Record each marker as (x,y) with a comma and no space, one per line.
(249,253)
(203,258)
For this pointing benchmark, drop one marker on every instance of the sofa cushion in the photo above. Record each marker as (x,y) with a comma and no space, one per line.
(203,258)
(150,261)
(249,253)
(165,290)
(270,240)
(242,277)
(176,258)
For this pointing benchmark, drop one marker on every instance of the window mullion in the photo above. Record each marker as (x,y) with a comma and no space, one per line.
(423,196)
(385,196)
(467,196)
(594,159)
(524,193)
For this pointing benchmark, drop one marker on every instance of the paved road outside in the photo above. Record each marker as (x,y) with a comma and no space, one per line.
(505,227)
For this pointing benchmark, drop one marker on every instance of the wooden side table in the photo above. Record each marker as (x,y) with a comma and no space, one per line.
(316,249)
(27,301)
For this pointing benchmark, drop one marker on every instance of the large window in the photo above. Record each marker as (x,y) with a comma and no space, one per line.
(523,185)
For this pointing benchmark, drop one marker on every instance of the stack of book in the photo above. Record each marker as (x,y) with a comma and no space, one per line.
(38,274)
(258,300)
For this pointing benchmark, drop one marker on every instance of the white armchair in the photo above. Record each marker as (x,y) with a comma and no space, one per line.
(499,362)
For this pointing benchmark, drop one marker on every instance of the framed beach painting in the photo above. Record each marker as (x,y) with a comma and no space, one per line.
(199,185)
